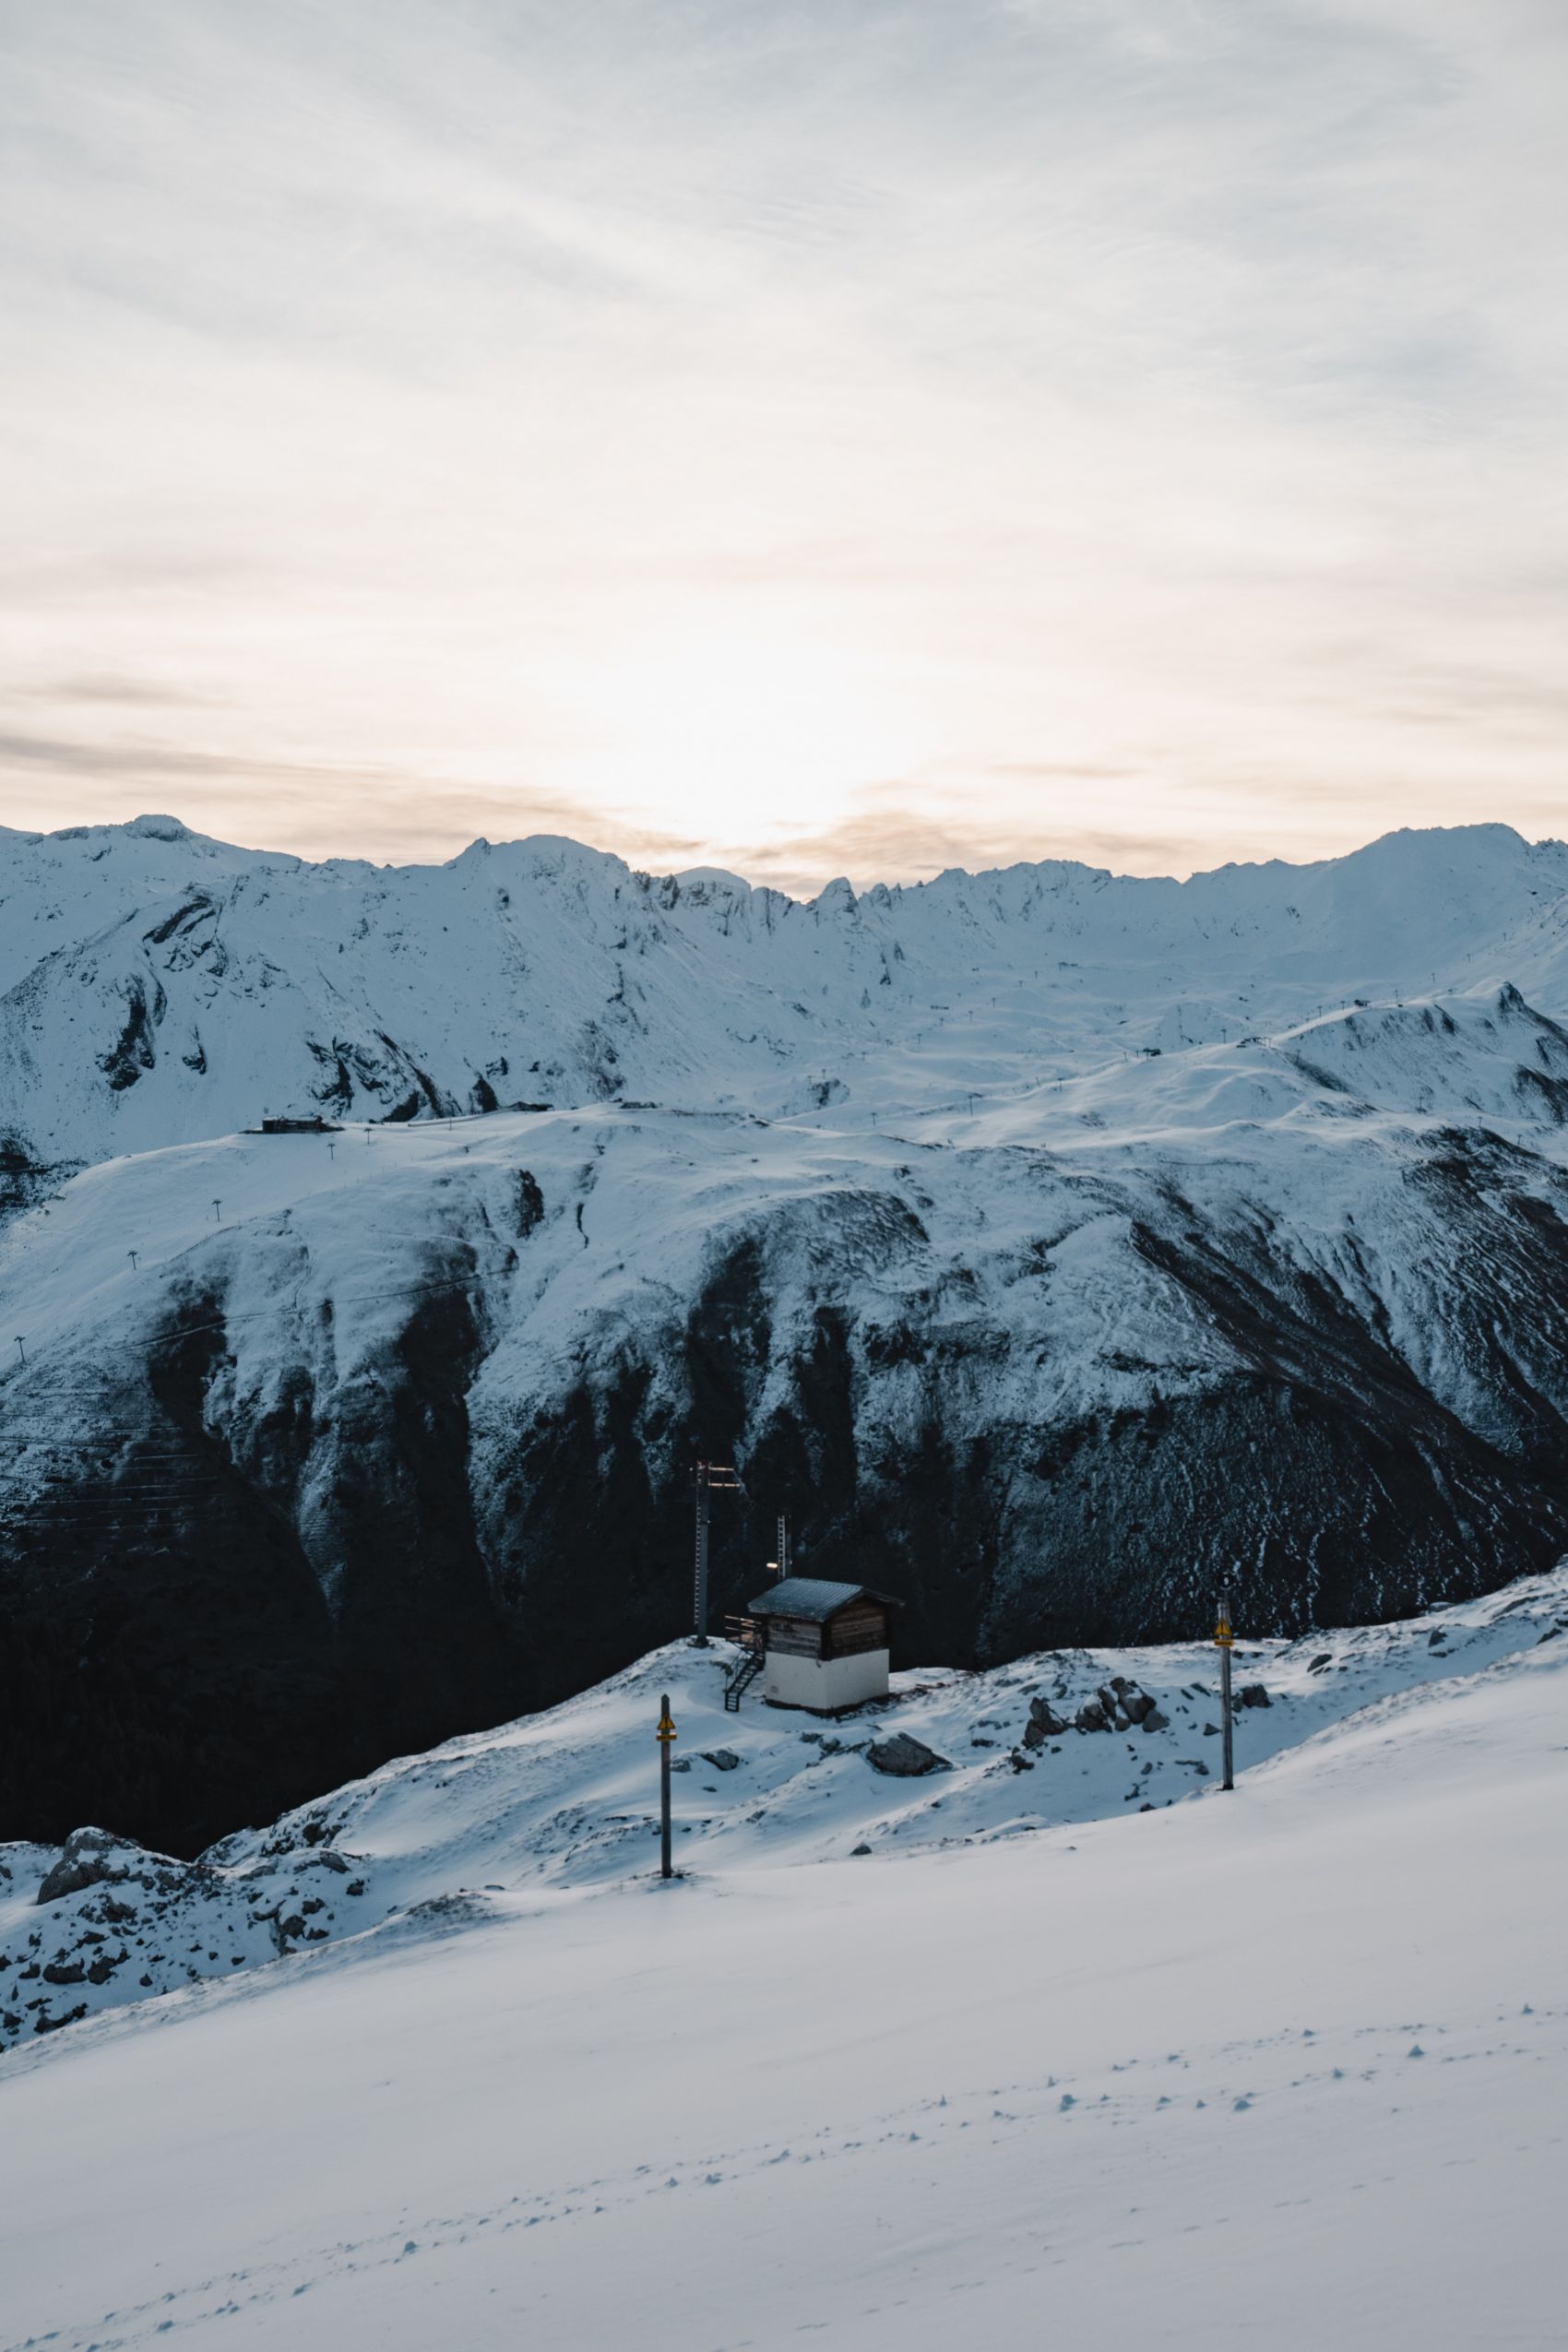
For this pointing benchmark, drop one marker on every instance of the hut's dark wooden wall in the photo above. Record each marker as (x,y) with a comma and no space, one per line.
(860,1626)
(796,1636)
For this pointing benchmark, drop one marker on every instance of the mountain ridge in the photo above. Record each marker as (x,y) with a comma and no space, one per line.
(1048,1259)
(142,1004)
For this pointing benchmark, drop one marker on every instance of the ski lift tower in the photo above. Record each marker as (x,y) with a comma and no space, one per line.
(709,1477)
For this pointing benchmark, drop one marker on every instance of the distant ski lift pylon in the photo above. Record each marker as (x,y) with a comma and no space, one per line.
(707,1477)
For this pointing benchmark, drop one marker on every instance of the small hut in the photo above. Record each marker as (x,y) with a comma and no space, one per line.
(825,1645)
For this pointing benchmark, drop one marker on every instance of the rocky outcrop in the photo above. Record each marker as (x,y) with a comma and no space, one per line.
(903,1757)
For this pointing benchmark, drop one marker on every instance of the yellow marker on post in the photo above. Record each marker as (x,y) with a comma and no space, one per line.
(664,1735)
(1224,1642)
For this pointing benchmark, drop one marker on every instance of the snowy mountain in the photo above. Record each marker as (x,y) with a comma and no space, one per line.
(1050,1245)
(891,2057)
(158,987)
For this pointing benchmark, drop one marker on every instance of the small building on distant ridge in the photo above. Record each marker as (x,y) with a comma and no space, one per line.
(825,1645)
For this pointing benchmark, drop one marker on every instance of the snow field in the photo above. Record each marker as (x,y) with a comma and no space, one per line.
(1289,2067)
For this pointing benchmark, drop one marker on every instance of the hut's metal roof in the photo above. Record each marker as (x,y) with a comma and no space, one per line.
(813,1596)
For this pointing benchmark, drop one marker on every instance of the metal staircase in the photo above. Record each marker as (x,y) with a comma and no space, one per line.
(742,1674)
(748,1666)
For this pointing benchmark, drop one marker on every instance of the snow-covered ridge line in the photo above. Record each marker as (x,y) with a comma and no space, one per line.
(156,987)
(567,1798)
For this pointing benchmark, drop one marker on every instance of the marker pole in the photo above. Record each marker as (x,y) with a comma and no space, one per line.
(1223,1638)
(664,1735)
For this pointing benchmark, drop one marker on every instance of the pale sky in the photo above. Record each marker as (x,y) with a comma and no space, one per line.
(821,436)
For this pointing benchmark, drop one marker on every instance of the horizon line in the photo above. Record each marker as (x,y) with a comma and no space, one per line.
(163,825)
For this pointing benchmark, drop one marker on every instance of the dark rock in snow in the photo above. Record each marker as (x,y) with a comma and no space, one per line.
(904,1757)
(1252,1694)
(1091,1717)
(1155,1721)
(1043,1724)
(89,1855)
(721,1759)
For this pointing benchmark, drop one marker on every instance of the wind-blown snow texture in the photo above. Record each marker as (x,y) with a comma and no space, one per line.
(1051,1244)
(1289,2066)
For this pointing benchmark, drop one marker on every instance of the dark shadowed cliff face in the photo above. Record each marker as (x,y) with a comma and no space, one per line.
(402,1445)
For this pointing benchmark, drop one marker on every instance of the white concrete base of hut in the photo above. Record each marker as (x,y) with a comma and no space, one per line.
(824,1685)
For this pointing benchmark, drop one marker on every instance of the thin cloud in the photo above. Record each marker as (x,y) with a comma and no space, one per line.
(129,692)
(1142,418)
(312,808)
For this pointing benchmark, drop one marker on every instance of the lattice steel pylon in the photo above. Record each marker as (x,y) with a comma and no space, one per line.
(708,1477)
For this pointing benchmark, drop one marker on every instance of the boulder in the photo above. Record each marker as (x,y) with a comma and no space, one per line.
(1043,1724)
(1135,1705)
(721,1759)
(1091,1717)
(87,1856)
(1252,1694)
(904,1757)
(1155,1721)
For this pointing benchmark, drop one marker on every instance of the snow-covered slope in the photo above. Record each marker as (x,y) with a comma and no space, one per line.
(1287,2066)
(1051,1245)
(569,1797)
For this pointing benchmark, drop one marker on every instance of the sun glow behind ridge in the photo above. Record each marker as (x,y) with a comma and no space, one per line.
(806,441)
